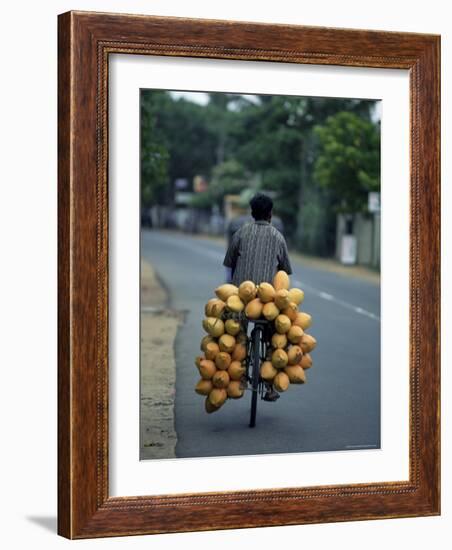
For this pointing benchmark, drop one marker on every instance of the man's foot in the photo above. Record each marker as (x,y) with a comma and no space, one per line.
(243,383)
(271,395)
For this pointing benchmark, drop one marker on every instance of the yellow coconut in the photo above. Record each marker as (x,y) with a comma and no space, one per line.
(212,350)
(291,311)
(235,304)
(224,291)
(232,327)
(308,343)
(214,308)
(253,309)
(279,340)
(214,326)
(265,292)
(206,340)
(282,324)
(239,352)
(282,298)
(306,361)
(270,311)
(268,371)
(296,374)
(198,360)
(208,306)
(280,382)
(294,355)
(204,387)
(207,369)
(218,396)
(281,280)
(223,360)
(303,320)
(294,335)
(279,358)
(247,291)
(296,295)
(235,390)
(226,343)
(209,408)
(236,370)
(220,379)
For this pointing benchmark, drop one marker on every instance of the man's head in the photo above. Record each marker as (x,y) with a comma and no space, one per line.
(261,207)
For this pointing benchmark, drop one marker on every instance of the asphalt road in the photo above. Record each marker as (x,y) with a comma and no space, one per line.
(339,406)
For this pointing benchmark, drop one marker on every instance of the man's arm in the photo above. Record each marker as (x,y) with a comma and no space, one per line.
(230,259)
(283,260)
(228,275)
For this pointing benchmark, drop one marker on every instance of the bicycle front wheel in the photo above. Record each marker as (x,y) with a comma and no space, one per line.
(255,374)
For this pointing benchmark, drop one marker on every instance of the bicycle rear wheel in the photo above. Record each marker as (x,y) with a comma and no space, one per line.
(255,373)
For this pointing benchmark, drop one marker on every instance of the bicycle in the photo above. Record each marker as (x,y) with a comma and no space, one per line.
(257,346)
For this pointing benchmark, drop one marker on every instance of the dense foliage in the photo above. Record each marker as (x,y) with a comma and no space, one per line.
(318,155)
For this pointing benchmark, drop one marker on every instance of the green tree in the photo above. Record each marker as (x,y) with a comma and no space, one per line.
(268,145)
(154,149)
(274,138)
(176,142)
(348,164)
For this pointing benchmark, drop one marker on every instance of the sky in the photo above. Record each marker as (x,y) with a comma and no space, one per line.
(202,98)
(197,97)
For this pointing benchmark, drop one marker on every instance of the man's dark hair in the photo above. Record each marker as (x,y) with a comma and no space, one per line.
(261,207)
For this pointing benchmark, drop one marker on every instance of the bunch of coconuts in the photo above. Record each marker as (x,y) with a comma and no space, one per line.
(222,367)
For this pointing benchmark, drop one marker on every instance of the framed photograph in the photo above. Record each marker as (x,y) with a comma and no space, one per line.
(248,275)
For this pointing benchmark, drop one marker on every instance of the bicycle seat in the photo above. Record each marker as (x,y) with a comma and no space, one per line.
(262,322)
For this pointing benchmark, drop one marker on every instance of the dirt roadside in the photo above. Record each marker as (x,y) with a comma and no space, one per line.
(158,369)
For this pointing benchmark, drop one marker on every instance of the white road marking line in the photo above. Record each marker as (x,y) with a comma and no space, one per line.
(331,298)
(151,309)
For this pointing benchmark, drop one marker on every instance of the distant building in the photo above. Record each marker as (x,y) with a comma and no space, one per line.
(358,239)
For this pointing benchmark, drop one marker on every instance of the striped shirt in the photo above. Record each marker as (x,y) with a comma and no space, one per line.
(257,251)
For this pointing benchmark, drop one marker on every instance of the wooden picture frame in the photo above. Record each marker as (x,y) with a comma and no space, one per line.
(85,42)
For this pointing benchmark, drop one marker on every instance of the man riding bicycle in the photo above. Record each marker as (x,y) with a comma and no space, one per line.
(257,252)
